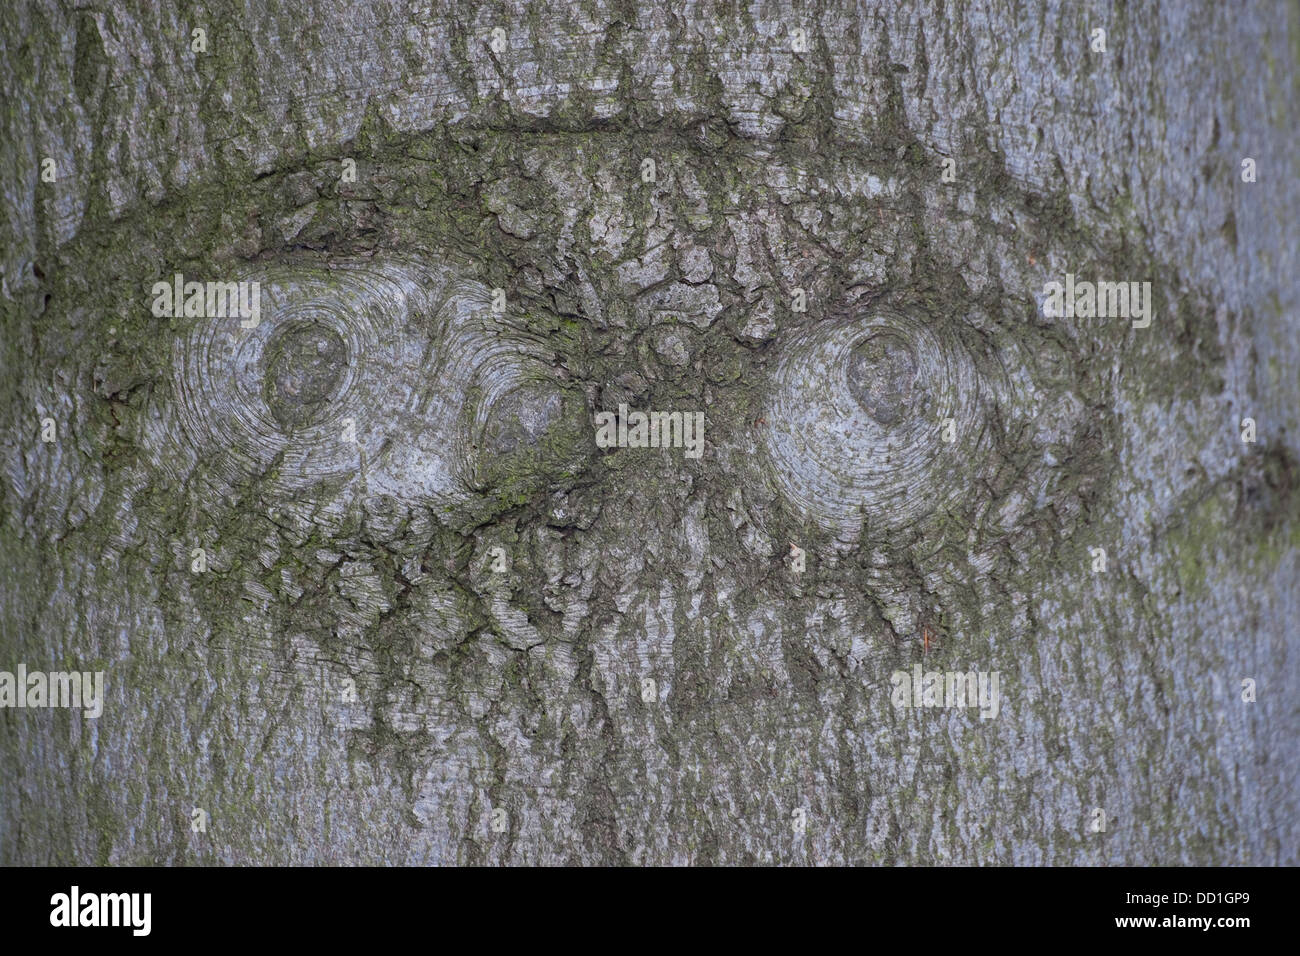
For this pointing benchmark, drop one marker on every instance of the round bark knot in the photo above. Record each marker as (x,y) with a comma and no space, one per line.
(520,418)
(304,372)
(882,377)
(879,421)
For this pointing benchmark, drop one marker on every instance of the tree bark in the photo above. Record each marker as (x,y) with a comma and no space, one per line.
(830,230)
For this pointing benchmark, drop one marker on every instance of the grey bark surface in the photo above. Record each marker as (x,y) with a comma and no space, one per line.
(351,682)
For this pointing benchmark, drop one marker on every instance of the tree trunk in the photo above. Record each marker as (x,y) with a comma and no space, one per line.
(366,580)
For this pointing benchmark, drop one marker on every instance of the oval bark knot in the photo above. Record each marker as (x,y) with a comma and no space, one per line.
(392,377)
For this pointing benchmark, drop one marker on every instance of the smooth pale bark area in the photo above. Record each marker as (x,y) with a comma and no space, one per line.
(648,678)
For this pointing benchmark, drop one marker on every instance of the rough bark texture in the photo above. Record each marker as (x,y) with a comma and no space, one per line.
(769,733)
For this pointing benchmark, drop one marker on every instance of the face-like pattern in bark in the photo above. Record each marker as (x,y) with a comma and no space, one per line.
(896,427)
(404,508)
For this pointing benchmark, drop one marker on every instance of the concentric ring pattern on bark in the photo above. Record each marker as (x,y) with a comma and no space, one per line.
(856,431)
(389,374)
